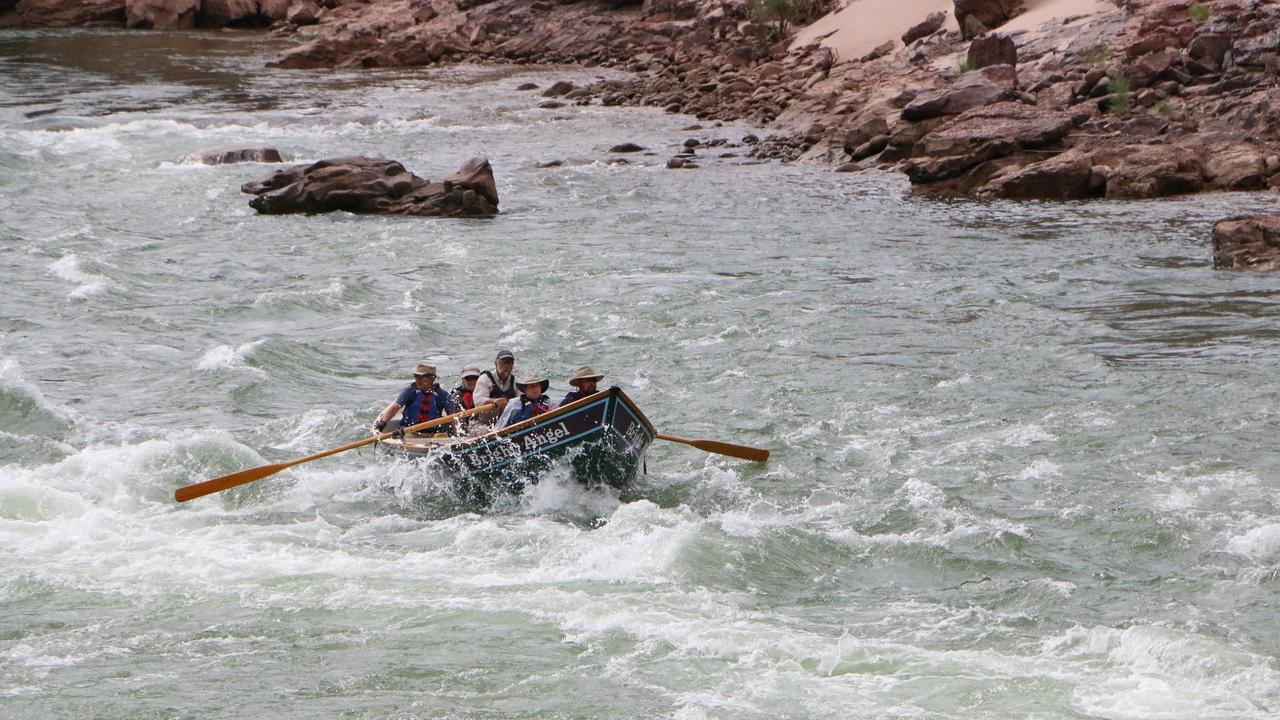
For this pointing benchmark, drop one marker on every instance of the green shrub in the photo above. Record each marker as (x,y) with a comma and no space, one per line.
(1164,107)
(965,66)
(783,13)
(1096,55)
(1199,12)
(1118,101)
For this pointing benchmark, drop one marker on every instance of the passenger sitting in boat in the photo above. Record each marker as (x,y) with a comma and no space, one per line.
(584,384)
(422,400)
(532,402)
(495,387)
(464,393)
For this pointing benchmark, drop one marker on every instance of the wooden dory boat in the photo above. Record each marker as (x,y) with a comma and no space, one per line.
(604,437)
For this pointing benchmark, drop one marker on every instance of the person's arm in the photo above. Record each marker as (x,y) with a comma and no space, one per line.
(380,424)
(402,400)
(480,396)
(507,413)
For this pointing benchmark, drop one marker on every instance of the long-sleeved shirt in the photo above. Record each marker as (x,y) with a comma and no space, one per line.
(484,386)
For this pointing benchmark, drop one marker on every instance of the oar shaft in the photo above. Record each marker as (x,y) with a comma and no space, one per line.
(226,482)
(721,448)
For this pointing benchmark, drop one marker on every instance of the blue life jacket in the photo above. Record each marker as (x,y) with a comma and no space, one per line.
(530,409)
(417,406)
(573,395)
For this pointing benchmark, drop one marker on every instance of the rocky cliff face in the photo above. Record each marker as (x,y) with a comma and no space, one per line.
(1143,99)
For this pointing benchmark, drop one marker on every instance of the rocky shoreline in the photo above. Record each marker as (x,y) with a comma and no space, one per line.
(978,98)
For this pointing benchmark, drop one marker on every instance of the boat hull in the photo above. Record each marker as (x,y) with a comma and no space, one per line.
(601,438)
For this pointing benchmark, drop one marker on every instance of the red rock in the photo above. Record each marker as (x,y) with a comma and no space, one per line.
(992,50)
(983,134)
(1063,177)
(161,14)
(371,185)
(930,25)
(68,13)
(1247,243)
(974,89)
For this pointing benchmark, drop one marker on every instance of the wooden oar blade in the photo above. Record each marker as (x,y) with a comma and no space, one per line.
(218,484)
(738,451)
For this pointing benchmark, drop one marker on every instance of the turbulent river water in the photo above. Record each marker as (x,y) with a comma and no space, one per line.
(1024,455)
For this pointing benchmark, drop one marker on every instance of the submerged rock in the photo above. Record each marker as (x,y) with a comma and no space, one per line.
(228,155)
(375,186)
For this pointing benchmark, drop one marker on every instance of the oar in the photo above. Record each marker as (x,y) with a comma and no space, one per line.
(722,448)
(218,484)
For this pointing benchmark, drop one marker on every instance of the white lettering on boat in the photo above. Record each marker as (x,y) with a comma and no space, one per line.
(506,451)
(635,435)
(539,438)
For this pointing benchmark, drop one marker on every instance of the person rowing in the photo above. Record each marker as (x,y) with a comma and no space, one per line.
(496,387)
(422,400)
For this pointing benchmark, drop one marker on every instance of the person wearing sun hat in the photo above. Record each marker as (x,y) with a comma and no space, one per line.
(532,401)
(464,393)
(422,400)
(497,386)
(584,383)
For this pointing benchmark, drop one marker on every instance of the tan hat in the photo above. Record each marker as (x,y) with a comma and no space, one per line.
(585,373)
(470,371)
(532,379)
(424,369)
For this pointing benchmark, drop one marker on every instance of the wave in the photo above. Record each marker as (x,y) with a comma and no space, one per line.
(87,284)
(225,357)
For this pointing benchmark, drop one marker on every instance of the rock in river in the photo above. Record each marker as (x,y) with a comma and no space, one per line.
(377,186)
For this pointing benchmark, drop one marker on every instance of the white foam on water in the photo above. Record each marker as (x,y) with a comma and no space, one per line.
(330,292)
(1039,470)
(1259,543)
(225,357)
(87,284)
(921,495)
(561,494)
(14,381)
(1150,672)
(1017,436)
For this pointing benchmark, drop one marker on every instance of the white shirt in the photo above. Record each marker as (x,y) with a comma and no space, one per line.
(484,385)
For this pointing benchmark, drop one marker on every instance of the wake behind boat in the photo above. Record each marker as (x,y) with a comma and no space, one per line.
(603,438)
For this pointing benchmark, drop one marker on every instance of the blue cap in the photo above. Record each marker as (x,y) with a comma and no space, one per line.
(505,354)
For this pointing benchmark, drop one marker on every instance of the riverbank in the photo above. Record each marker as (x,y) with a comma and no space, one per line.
(1056,99)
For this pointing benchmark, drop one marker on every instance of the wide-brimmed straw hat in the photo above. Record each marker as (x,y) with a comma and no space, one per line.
(585,373)
(532,380)
(424,369)
(470,371)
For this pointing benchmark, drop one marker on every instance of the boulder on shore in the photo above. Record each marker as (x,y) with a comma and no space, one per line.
(375,186)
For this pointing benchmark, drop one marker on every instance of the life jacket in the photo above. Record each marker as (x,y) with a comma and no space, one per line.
(424,406)
(530,409)
(577,395)
(497,392)
(462,396)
